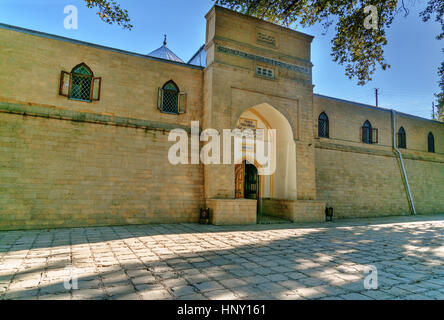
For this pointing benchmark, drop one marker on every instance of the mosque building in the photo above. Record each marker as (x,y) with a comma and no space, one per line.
(84,134)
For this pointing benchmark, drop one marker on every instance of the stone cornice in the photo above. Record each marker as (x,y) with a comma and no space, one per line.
(380,151)
(77,116)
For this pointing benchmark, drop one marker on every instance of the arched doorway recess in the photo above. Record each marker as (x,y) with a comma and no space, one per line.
(281,183)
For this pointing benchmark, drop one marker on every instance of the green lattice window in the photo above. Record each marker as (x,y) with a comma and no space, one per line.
(80,84)
(171,100)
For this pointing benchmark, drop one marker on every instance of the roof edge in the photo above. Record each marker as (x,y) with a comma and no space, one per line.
(93,45)
(168,51)
(375,108)
(197,52)
(299,33)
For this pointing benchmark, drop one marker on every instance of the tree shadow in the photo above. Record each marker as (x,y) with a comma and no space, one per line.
(258,262)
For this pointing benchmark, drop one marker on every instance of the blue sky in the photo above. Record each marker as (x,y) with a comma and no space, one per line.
(413,51)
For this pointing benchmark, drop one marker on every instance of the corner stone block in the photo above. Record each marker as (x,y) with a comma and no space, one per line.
(232,211)
(295,210)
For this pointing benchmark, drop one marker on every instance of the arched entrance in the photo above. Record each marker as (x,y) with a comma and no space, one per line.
(253,181)
(279,192)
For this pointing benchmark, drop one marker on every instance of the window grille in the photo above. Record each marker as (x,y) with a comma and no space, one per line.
(265,72)
(171,100)
(81,87)
(323,126)
(80,84)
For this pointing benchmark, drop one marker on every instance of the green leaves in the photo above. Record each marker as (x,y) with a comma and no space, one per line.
(436,7)
(110,12)
(440,96)
(359,49)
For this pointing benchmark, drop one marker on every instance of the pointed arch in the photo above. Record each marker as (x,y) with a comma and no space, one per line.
(431,142)
(82,68)
(367,132)
(323,126)
(402,138)
(171,100)
(81,83)
(171,85)
(278,175)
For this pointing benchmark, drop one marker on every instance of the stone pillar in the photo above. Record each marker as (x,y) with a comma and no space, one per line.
(305,150)
(305,171)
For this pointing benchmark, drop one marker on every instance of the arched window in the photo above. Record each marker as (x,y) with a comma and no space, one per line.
(367,132)
(171,100)
(323,126)
(431,142)
(80,84)
(402,139)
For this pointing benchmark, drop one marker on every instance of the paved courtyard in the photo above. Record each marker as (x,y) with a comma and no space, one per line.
(190,261)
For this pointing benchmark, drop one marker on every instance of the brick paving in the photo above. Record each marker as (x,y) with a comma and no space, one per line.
(190,261)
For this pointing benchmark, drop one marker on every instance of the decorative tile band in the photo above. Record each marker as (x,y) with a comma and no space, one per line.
(263,59)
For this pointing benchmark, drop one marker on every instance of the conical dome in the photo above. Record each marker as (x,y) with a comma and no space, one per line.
(164,53)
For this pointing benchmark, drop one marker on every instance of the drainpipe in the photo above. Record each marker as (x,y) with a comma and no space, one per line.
(395,147)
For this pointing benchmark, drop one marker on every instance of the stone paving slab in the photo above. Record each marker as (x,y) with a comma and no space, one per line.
(327,261)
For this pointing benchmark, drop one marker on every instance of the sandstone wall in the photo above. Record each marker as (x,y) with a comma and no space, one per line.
(360,180)
(69,163)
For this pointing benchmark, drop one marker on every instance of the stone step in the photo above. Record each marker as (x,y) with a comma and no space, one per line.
(264,219)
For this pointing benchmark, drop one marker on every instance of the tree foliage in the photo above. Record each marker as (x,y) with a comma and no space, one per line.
(436,7)
(440,96)
(361,50)
(111,12)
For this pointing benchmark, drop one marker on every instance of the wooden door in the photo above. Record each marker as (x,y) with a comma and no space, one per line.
(240,180)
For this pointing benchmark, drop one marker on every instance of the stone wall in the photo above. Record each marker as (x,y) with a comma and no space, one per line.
(361,180)
(59,173)
(31,66)
(232,86)
(295,210)
(68,163)
(232,211)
